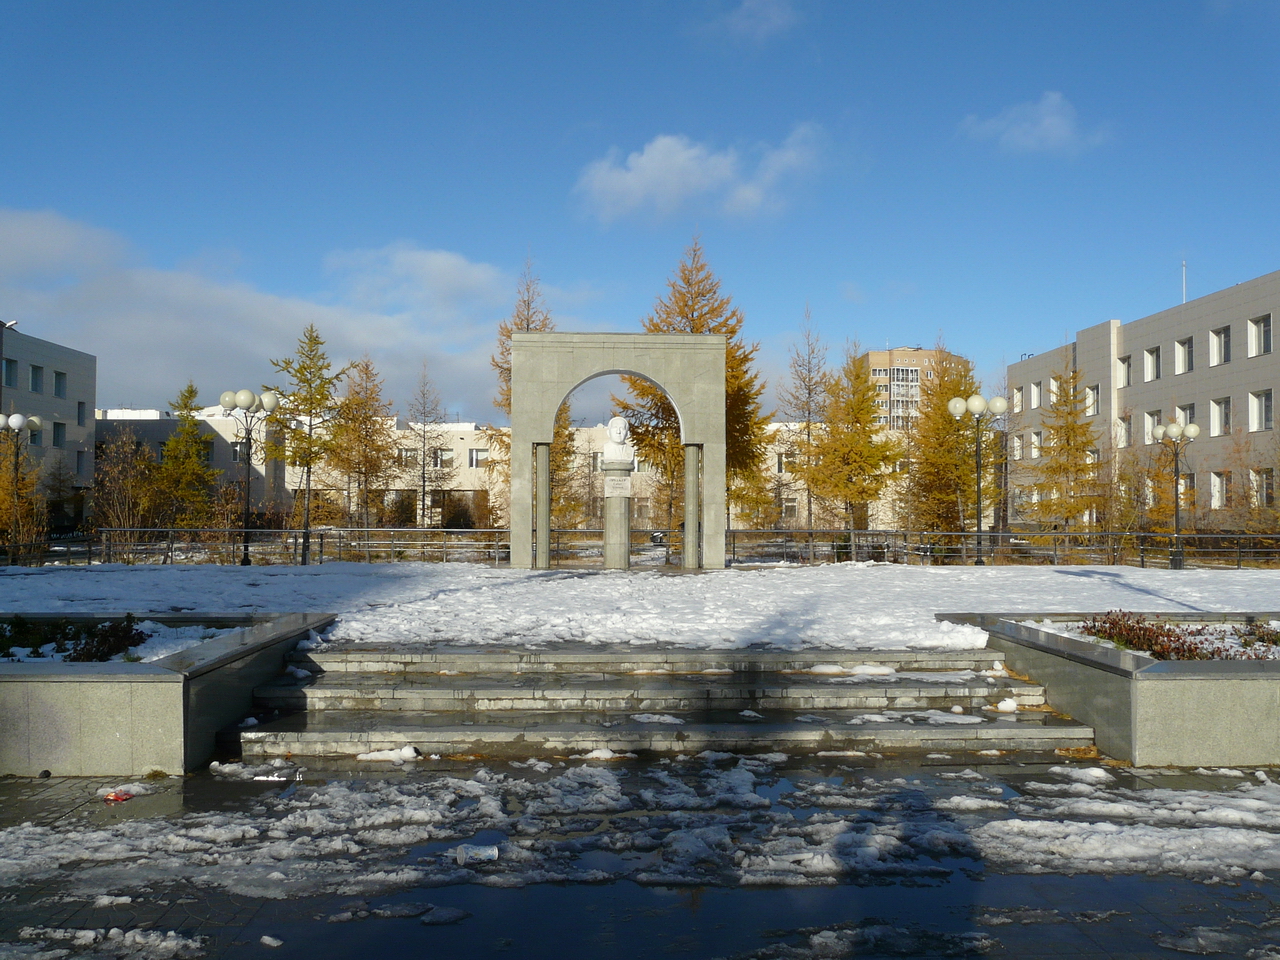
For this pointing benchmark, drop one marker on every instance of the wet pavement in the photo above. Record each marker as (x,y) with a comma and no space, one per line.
(954,903)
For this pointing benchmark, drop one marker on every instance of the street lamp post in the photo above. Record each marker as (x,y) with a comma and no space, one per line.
(16,422)
(1176,437)
(252,409)
(978,406)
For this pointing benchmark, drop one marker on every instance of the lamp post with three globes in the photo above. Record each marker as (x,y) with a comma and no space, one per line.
(1176,437)
(978,406)
(252,409)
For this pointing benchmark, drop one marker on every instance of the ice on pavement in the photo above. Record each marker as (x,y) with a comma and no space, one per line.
(838,606)
(718,819)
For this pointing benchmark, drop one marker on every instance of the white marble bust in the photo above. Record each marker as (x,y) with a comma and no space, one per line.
(616,447)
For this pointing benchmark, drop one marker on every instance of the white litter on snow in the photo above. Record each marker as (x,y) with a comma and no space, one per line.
(135,789)
(750,715)
(655,718)
(603,753)
(397,756)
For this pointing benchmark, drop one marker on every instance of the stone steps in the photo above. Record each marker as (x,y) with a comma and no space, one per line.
(516,702)
(518,734)
(482,693)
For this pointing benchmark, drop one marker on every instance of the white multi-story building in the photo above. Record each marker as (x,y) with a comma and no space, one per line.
(223,450)
(1210,362)
(59,385)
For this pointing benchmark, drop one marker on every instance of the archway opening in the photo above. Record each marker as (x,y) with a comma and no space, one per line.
(578,482)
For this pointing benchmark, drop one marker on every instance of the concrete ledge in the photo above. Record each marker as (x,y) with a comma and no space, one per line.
(1183,713)
(128,719)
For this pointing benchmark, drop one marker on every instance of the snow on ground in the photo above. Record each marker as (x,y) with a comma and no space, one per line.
(161,642)
(849,606)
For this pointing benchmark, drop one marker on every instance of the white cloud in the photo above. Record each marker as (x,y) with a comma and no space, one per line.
(153,329)
(758,20)
(673,172)
(1049,125)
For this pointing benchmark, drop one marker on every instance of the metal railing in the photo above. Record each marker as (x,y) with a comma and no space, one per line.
(655,548)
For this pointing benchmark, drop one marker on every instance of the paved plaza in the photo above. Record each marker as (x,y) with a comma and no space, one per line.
(713,856)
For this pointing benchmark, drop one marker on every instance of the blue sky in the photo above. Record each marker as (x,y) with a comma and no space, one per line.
(183,186)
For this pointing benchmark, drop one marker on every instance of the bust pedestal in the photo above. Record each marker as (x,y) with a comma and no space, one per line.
(617,514)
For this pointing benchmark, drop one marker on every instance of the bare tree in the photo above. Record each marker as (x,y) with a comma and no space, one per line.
(435,470)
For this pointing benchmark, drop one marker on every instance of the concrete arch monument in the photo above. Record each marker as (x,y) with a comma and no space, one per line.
(547,367)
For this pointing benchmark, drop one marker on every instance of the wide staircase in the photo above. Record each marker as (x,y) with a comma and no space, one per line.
(364,698)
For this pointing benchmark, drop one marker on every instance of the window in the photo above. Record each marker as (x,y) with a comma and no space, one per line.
(406,456)
(237,451)
(640,509)
(1150,420)
(81,412)
(1260,336)
(1053,389)
(1125,432)
(37,438)
(1219,346)
(1263,482)
(790,508)
(1185,414)
(1017,399)
(442,458)
(1017,446)
(1220,490)
(1151,365)
(477,456)
(1124,372)
(1184,356)
(643,466)
(59,434)
(786,461)
(882,388)
(1036,438)
(880,372)
(1091,396)
(928,374)
(1035,395)
(1187,489)
(1219,417)
(37,379)
(10,372)
(1260,411)
(81,461)
(597,461)
(59,384)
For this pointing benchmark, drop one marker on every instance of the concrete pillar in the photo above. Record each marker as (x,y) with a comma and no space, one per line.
(542,454)
(617,514)
(692,506)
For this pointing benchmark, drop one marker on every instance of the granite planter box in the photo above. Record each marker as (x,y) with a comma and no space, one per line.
(129,719)
(1182,713)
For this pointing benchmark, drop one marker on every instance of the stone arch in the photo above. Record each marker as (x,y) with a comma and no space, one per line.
(547,367)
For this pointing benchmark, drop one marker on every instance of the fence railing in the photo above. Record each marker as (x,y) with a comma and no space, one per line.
(656,548)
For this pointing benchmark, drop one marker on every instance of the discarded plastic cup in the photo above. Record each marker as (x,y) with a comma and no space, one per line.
(469,851)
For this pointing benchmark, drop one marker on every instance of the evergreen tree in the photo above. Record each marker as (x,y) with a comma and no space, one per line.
(1065,478)
(937,490)
(694,305)
(307,404)
(31,511)
(184,479)
(802,398)
(530,315)
(363,442)
(850,457)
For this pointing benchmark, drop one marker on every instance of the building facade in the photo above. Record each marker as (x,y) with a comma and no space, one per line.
(59,385)
(1210,362)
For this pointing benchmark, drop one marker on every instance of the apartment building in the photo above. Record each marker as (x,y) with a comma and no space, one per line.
(898,374)
(58,385)
(224,450)
(1210,362)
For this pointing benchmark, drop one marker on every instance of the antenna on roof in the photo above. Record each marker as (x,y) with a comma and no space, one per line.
(1184,281)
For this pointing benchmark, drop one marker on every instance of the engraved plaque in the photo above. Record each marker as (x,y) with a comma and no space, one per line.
(617,487)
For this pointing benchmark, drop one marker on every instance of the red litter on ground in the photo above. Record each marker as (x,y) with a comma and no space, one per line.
(117,796)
